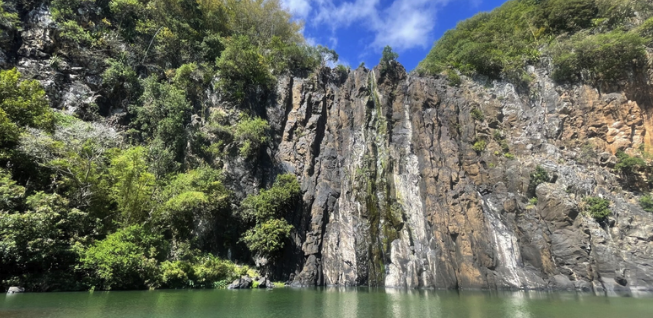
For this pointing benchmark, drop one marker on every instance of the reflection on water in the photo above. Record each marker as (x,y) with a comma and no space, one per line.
(323,303)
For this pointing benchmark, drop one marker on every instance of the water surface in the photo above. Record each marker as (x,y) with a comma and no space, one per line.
(322,302)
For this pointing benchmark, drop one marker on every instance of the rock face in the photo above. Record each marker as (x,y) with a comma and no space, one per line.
(396,195)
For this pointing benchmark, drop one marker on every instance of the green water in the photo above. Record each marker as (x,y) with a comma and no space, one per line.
(327,302)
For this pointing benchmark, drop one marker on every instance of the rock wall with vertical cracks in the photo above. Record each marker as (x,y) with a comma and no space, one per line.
(396,195)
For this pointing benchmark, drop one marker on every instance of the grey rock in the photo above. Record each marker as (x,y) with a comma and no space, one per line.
(15,290)
(243,282)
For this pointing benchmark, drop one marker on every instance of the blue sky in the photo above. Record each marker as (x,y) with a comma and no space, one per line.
(359,29)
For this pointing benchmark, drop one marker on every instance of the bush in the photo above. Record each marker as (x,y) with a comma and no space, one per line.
(477,114)
(627,165)
(454,79)
(269,208)
(164,115)
(126,259)
(132,184)
(597,208)
(537,177)
(242,68)
(274,202)
(268,238)
(206,271)
(646,202)
(251,134)
(23,102)
(479,145)
(604,57)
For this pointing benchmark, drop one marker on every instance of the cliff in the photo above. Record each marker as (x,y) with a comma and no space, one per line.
(395,195)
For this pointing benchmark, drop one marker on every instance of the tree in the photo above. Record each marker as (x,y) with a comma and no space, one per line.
(164,114)
(126,259)
(23,103)
(268,209)
(387,57)
(242,68)
(132,185)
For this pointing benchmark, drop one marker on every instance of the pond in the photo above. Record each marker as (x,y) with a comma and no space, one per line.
(323,302)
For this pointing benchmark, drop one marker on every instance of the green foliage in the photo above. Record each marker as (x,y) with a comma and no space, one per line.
(8,20)
(387,56)
(454,79)
(198,271)
(532,201)
(120,82)
(11,193)
(268,238)
(23,102)
(509,156)
(164,113)
(537,177)
(477,114)
(251,134)
(126,259)
(646,202)
(268,208)
(39,240)
(70,30)
(479,145)
(243,68)
(499,44)
(566,15)
(132,185)
(627,165)
(600,57)
(188,197)
(597,208)
(274,202)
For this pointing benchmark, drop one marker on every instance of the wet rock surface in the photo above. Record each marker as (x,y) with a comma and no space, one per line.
(396,196)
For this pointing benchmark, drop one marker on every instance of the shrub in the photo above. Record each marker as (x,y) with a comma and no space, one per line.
(23,102)
(608,56)
(627,165)
(132,184)
(126,259)
(268,238)
(251,134)
(454,79)
(537,177)
(509,156)
(269,208)
(242,68)
(597,208)
(477,114)
(274,202)
(646,202)
(479,145)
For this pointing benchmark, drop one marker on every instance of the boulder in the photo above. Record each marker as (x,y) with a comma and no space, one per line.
(263,282)
(15,290)
(243,282)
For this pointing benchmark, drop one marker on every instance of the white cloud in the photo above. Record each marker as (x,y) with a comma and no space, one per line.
(299,8)
(404,24)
